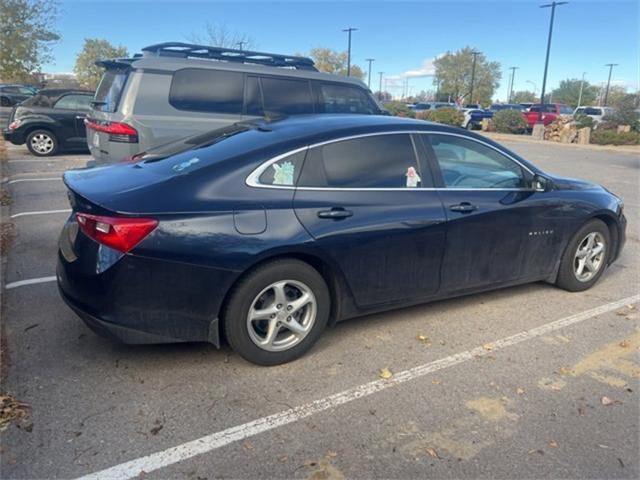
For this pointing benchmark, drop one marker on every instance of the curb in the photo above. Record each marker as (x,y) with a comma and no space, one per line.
(506,137)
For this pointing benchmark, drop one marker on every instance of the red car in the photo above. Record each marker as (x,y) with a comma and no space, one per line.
(549,111)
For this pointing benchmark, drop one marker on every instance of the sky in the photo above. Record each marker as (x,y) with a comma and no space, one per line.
(402,36)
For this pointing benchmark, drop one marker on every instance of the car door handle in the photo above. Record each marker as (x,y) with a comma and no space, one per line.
(336,213)
(464,207)
(80,117)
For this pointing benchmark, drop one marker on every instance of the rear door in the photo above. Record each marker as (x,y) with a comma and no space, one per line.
(365,202)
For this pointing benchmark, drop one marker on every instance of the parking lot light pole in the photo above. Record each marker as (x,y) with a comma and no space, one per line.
(473,74)
(370,60)
(553,6)
(380,88)
(513,75)
(581,87)
(241,44)
(349,30)
(606,92)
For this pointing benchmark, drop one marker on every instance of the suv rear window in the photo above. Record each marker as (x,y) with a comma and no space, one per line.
(336,98)
(110,89)
(203,90)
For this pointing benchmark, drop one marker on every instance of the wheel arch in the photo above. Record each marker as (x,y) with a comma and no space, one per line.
(612,224)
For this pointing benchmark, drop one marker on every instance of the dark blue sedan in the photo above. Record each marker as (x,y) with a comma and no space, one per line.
(267,232)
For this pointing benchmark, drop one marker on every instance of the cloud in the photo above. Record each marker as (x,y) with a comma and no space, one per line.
(427,69)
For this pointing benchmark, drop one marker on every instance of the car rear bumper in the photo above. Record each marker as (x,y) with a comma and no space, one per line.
(13,136)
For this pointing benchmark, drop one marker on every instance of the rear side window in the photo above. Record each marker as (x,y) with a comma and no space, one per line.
(335,98)
(73,102)
(290,97)
(381,161)
(203,90)
(110,90)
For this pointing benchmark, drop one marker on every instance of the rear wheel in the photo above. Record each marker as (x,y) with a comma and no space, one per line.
(42,143)
(585,257)
(277,312)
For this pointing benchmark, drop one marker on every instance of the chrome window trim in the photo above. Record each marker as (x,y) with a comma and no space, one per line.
(253,179)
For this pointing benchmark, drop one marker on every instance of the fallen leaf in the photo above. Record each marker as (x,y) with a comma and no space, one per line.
(385,373)
(488,347)
(283,459)
(604,446)
(432,452)
(247,444)
(621,313)
(423,338)
(553,444)
(331,454)
(631,307)
(536,450)
(625,344)
(520,391)
(11,410)
(155,430)
(436,382)
(608,401)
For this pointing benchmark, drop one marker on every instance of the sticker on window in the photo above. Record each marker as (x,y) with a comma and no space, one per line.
(412,177)
(283,173)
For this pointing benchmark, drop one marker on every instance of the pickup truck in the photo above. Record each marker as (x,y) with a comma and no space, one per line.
(473,117)
(549,111)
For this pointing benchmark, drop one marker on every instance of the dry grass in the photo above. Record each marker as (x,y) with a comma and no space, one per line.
(3,149)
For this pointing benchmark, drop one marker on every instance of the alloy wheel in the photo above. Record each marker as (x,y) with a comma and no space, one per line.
(589,256)
(42,143)
(282,315)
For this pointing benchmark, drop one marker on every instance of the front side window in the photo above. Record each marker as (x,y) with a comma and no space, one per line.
(203,90)
(68,102)
(469,164)
(285,96)
(284,172)
(380,161)
(335,98)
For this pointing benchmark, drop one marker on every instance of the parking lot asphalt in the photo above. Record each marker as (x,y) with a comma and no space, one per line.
(529,381)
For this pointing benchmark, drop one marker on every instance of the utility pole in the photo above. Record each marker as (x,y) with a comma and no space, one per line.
(553,6)
(473,74)
(606,92)
(513,74)
(349,30)
(241,44)
(370,60)
(380,88)
(581,87)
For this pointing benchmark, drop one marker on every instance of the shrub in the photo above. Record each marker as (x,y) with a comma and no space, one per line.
(583,121)
(447,116)
(399,109)
(611,137)
(509,121)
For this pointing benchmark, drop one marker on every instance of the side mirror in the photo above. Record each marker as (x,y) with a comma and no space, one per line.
(540,183)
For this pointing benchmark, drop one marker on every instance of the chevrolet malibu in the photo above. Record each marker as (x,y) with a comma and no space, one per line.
(264,233)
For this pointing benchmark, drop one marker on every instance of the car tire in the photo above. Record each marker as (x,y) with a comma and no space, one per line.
(469,126)
(42,143)
(580,267)
(260,303)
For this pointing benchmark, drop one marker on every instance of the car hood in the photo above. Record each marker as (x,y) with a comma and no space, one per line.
(563,183)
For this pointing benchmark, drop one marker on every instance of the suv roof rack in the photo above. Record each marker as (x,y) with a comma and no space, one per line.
(185,50)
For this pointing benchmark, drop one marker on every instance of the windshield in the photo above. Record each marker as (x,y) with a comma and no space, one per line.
(110,89)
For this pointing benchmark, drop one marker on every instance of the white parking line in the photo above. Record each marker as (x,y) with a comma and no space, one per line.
(217,440)
(20,180)
(31,281)
(40,212)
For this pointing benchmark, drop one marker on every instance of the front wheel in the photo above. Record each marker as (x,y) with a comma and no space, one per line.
(277,312)
(585,258)
(42,143)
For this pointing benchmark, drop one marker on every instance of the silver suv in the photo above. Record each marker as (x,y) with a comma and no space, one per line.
(173,90)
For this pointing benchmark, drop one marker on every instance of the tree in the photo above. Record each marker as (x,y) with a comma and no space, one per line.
(219,35)
(569,92)
(330,61)
(524,96)
(616,95)
(453,73)
(26,35)
(94,49)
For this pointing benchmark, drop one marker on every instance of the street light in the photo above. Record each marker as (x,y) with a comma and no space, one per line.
(581,87)
(349,30)
(380,89)
(513,74)
(473,74)
(606,92)
(370,60)
(553,6)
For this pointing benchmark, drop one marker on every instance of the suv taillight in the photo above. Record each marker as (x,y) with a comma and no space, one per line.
(119,233)
(118,132)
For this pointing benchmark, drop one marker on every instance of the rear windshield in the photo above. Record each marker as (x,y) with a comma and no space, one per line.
(110,90)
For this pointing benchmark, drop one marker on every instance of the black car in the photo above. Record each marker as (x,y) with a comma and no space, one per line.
(269,231)
(51,121)
(13,94)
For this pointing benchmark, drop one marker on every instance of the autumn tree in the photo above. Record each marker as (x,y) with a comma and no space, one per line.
(26,37)
(569,92)
(453,73)
(87,72)
(219,35)
(330,61)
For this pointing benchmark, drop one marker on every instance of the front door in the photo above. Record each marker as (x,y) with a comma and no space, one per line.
(363,201)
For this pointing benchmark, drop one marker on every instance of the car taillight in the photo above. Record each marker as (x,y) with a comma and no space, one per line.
(15,124)
(118,132)
(119,233)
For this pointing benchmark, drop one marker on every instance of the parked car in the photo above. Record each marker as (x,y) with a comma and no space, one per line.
(527,106)
(473,118)
(270,231)
(473,106)
(548,112)
(51,121)
(496,107)
(596,113)
(11,95)
(175,89)
(423,106)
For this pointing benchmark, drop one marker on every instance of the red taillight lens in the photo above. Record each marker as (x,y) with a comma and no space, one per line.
(13,125)
(119,233)
(118,132)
